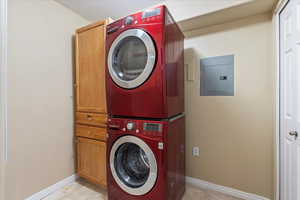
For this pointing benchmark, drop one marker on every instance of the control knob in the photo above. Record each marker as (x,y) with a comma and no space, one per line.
(130,126)
(129,20)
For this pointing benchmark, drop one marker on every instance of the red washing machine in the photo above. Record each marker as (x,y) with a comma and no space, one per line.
(145,65)
(146,159)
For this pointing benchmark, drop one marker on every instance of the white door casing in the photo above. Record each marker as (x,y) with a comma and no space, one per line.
(3,94)
(290,101)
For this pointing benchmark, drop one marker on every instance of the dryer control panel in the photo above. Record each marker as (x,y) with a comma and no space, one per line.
(151,13)
(149,16)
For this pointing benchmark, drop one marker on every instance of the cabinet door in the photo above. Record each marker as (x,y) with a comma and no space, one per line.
(90,70)
(92,160)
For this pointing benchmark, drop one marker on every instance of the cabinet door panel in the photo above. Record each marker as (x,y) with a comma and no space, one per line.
(90,70)
(92,160)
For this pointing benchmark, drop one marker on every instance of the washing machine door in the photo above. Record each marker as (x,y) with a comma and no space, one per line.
(131,58)
(133,165)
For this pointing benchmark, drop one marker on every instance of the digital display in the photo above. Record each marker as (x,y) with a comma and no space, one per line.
(152,127)
(151,13)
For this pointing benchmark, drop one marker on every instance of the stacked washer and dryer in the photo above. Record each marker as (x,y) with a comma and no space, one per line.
(145,87)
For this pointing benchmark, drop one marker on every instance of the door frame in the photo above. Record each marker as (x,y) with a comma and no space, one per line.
(3,93)
(278,143)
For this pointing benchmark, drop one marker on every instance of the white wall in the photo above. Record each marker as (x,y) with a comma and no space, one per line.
(235,134)
(40,95)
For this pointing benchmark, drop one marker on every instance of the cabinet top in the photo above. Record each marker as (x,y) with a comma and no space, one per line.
(95,24)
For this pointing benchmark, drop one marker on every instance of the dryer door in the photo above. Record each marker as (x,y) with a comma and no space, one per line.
(133,165)
(131,58)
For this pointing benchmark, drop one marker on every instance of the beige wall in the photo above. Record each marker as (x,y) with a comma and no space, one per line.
(235,134)
(40,106)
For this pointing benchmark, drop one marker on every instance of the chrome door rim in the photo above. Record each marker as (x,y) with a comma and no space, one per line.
(151,55)
(152,162)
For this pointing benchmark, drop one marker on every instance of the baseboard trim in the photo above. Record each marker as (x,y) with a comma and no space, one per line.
(193,181)
(53,188)
(225,190)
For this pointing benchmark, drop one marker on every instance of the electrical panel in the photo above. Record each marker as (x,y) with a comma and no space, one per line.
(217,76)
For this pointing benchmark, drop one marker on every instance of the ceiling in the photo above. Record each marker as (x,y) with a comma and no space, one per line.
(188,13)
(228,14)
(186,9)
(95,10)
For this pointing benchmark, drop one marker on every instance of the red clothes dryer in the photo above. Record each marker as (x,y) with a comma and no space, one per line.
(146,159)
(145,66)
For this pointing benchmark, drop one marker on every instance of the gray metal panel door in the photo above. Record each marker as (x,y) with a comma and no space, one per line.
(217,76)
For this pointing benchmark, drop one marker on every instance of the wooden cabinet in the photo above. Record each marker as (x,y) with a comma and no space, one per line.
(91,112)
(90,68)
(92,160)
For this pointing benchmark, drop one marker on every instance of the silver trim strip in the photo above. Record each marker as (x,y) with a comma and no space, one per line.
(176,117)
(151,55)
(152,163)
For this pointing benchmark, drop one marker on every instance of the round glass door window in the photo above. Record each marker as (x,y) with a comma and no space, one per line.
(131,58)
(133,165)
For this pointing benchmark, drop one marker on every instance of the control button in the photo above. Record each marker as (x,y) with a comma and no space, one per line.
(160,145)
(130,126)
(137,130)
(123,129)
(129,20)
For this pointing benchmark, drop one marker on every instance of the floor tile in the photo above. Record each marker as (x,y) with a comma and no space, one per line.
(82,190)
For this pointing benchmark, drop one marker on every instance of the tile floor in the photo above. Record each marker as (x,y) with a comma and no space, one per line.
(82,190)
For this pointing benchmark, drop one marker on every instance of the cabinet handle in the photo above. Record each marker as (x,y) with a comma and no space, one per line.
(89,117)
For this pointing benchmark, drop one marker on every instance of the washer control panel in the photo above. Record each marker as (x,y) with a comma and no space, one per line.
(148,128)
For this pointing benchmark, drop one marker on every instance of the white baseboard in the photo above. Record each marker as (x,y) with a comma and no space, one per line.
(53,188)
(193,181)
(225,190)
